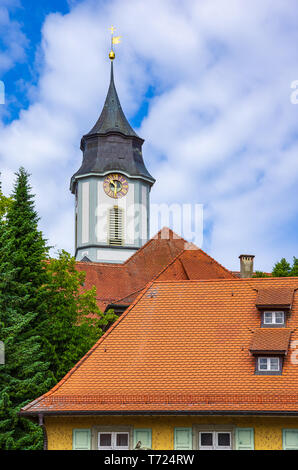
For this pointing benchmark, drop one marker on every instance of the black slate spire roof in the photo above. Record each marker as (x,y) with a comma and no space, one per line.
(112,144)
(112,117)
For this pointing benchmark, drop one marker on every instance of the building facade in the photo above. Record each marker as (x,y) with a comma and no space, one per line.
(190,365)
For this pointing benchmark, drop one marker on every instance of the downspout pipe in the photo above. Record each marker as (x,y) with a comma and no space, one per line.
(45,436)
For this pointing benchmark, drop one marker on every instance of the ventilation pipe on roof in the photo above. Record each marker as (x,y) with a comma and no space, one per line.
(246,265)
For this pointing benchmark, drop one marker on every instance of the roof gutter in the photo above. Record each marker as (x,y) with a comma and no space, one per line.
(162,413)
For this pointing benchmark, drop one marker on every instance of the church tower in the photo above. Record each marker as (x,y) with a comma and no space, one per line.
(111,188)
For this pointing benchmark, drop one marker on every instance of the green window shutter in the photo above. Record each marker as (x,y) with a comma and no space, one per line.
(290,439)
(245,439)
(183,439)
(81,439)
(143,435)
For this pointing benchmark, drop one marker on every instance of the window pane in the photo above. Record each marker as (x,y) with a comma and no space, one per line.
(274,363)
(279,317)
(105,440)
(224,439)
(291,439)
(206,438)
(268,317)
(262,363)
(122,440)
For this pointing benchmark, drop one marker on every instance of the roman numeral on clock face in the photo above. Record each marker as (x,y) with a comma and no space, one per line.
(115,185)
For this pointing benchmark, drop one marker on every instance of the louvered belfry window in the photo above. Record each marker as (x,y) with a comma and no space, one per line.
(116,216)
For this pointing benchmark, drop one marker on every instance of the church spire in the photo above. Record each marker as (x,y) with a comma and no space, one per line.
(112,118)
(112,186)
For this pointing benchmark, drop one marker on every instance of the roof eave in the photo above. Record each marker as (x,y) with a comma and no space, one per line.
(111,132)
(161,412)
(280,352)
(274,306)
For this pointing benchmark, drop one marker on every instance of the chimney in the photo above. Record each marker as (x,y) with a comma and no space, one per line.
(246,265)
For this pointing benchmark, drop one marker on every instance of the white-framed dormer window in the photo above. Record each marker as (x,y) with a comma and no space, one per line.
(268,364)
(215,440)
(113,440)
(274,318)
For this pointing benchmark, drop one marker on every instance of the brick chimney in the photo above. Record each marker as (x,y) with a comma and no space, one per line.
(246,265)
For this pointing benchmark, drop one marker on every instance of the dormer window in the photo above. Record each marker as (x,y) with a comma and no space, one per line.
(273,318)
(270,346)
(275,305)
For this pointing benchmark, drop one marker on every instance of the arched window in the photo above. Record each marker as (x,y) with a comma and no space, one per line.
(116,225)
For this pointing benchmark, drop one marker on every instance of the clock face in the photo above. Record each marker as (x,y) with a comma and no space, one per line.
(115,185)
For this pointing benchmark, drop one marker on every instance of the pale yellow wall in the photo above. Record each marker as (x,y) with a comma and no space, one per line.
(268,431)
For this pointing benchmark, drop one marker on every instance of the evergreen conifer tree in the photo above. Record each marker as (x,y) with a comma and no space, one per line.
(294,269)
(281,269)
(26,373)
(47,320)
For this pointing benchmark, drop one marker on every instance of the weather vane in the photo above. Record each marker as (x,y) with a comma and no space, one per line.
(114,40)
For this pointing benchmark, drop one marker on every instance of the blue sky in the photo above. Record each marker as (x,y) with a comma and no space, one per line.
(207,87)
(26,17)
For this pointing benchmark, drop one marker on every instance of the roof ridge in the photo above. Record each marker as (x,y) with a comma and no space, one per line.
(80,362)
(158,274)
(216,262)
(257,279)
(177,257)
(151,240)
(94,263)
(169,264)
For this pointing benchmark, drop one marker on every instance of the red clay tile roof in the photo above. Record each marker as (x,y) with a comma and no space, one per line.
(271,339)
(194,264)
(273,297)
(182,346)
(124,281)
(115,281)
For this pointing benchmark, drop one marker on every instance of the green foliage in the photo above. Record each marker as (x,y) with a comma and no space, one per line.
(294,270)
(5,203)
(284,269)
(260,274)
(47,320)
(26,371)
(281,269)
(74,321)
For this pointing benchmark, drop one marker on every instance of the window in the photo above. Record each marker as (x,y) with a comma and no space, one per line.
(290,439)
(113,440)
(215,440)
(266,364)
(183,438)
(116,216)
(274,318)
(81,439)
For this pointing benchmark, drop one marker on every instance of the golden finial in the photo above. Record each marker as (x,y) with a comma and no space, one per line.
(114,40)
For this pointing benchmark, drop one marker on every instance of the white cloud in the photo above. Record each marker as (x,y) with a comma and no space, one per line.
(220,131)
(13,41)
